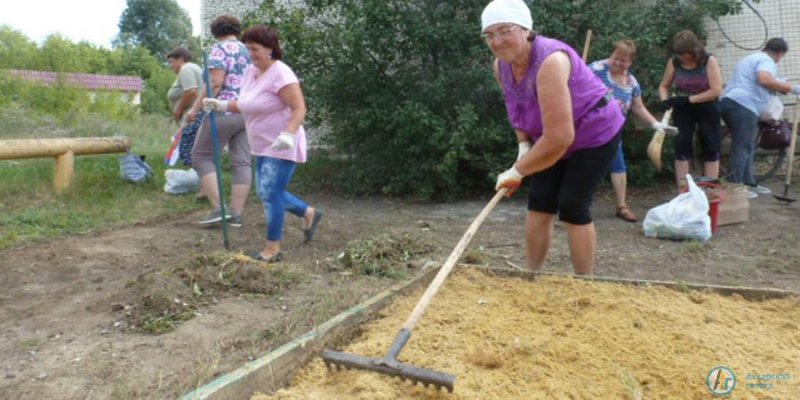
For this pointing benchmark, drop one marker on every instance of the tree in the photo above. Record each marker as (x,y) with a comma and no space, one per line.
(157,25)
(16,50)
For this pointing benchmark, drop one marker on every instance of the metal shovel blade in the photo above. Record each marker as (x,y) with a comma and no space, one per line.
(787,200)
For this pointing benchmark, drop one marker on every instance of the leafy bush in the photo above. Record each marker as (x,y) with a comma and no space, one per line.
(405,87)
(154,96)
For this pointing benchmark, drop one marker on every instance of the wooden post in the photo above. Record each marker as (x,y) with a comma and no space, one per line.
(64,171)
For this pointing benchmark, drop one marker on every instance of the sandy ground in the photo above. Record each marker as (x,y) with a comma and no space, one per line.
(561,338)
(64,333)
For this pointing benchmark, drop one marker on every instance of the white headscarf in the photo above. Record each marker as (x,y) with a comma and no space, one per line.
(506,11)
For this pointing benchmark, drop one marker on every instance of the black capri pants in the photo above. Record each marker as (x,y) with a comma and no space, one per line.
(707,117)
(567,188)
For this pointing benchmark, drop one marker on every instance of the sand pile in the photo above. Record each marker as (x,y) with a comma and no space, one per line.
(506,338)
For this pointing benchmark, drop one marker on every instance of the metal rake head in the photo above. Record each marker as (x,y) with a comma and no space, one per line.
(389,366)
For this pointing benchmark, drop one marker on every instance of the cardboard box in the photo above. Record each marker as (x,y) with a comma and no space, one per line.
(736,207)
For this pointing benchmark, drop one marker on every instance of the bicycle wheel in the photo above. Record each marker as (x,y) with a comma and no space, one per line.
(767,163)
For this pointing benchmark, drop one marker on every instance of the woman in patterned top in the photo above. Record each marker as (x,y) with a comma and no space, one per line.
(615,74)
(226,63)
(698,86)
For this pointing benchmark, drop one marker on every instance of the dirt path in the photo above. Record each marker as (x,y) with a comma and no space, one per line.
(64,331)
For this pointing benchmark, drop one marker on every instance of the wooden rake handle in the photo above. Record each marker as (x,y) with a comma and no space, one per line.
(793,143)
(451,261)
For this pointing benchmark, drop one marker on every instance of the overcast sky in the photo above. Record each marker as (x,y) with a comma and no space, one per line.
(93,20)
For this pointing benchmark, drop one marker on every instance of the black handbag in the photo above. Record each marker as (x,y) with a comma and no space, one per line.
(774,136)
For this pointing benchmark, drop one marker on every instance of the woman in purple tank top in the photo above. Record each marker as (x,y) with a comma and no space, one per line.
(554,101)
(695,103)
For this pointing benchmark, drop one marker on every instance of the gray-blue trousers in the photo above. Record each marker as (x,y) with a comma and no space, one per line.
(743,125)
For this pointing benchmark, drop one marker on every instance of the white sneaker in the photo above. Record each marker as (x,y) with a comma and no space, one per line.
(752,193)
(763,189)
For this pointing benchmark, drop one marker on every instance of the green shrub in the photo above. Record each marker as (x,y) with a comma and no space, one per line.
(405,87)
(154,96)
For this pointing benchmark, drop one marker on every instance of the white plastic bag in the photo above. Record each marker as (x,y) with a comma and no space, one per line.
(684,217)
(181,181)
(773,111)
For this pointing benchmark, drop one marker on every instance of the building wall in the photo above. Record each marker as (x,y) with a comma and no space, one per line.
(747,30)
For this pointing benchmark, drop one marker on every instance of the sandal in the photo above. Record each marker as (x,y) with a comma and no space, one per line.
(625,213)
(269,260)
(308,234)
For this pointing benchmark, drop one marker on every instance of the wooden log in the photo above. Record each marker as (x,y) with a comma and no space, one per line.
(31,148)
(64,171)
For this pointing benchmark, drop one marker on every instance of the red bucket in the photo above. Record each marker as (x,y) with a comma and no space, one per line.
(716,196)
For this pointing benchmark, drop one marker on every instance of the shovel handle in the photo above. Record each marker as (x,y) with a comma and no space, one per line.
(451,261)
(792,144)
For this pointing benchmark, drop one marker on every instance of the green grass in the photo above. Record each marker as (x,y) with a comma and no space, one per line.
(30,210)
(98,198)
(164,324)
(29,344)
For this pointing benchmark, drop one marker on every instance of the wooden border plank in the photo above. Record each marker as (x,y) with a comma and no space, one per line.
(276,369)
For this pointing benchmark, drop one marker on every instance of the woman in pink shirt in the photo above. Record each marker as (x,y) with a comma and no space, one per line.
(273,108)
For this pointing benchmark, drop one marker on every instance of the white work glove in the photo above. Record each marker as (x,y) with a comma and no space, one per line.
(510,179)
(285,141)
(524,147)
(668,129)
(215,105)
(796,90)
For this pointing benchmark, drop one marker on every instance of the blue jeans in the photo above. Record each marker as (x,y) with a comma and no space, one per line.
(618,165)
(743,125)
(272,177)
